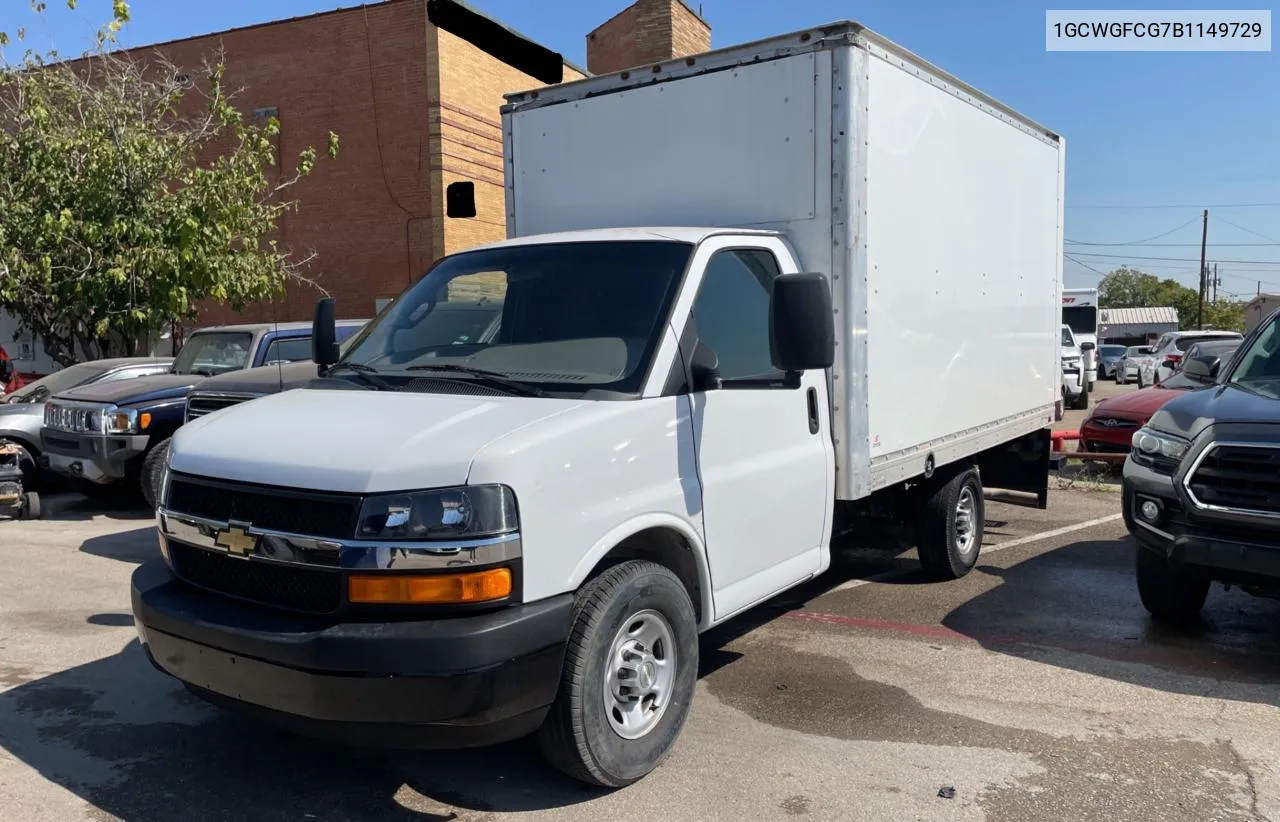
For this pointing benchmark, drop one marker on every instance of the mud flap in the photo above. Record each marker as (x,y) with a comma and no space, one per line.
(1021,466)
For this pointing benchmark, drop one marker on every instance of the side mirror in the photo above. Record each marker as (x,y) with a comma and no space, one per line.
(801,328)
(324,333)
(1198,369)
(1087,346)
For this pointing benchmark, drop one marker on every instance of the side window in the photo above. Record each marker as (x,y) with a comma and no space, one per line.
(287,349)
(731,313)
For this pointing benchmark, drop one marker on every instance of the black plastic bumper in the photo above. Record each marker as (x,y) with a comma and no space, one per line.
(440,683)
(1231,551)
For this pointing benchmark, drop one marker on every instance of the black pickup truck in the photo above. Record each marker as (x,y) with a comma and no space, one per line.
(1202,483)
(108,437)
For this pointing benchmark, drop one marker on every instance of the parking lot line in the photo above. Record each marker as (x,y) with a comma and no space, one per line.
(986,549)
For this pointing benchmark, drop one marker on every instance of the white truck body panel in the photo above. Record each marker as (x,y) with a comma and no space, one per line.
(935,212)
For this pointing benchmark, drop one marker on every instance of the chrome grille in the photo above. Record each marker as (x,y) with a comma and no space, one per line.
(75,419)
(199,405)
(1113,423)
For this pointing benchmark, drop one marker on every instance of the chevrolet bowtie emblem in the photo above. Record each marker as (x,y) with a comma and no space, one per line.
(237,540)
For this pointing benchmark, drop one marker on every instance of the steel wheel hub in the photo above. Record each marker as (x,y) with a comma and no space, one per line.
(639,673)
(966,521)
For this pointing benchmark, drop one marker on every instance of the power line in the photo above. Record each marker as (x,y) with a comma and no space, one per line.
(1275,263)
(1246,230)
(1139,242)
(1170,207)
(1086,265)
(1181,245)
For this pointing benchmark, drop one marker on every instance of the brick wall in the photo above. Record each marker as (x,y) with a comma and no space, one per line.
(367,215)
(649,31)
(466,129)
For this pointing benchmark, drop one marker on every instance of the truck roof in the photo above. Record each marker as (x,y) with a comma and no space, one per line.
(842,32)
(678,234)
(255,328)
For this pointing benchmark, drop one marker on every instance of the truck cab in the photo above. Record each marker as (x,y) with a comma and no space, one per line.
(100,435)
(1075,385)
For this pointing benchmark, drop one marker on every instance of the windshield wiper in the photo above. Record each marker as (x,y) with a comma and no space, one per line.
(367,372)
(492,377)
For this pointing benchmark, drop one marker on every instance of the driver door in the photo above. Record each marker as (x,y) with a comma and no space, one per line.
(765,454)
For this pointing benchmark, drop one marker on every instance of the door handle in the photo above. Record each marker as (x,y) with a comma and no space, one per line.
(813,410)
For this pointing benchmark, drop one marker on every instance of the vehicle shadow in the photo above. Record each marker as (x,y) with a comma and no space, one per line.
(1077,607)
(136,545)
(72,507)
(134,744)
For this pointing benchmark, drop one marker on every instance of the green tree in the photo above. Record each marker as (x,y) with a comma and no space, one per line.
(130,192)
(1127,287)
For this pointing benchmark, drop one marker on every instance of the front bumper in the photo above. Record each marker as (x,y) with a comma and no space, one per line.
(1072,382)
(98,458)
(448,682)
(1226,550)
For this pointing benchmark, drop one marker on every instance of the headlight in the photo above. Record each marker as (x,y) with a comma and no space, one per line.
(1157,449)
(1071,362)
(448,513)
(120,421)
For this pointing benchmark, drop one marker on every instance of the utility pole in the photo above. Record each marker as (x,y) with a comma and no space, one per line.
(1204,240)
(1216,281)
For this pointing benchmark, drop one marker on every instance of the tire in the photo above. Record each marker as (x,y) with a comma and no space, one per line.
(1169,594)
(32,508)
(1081,401)
(149,476)
(947,539)
(580,735)
(27,463)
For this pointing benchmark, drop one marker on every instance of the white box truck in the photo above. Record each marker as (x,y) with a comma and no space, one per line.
(749,298)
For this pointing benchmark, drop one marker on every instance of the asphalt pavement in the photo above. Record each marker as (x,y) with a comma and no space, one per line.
(1036,688)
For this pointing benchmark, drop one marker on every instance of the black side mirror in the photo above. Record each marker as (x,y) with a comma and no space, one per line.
(801,327)
(324,334)
(1200,370)
(1087,346)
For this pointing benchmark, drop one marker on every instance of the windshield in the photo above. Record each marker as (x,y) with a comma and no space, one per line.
(1083,319)
(1067,340)
(1111,350)
(214,352)
(1182,381)
(566,316)
(57,382)
(1259,368)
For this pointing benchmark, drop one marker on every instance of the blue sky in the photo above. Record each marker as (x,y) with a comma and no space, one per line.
(1183,130)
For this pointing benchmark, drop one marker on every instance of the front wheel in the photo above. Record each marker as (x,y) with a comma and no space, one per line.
(628,679)
(152,468)
(949,533)
(1171,595)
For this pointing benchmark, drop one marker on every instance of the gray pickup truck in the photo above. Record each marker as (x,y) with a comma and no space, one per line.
(109,436)
(1202,483)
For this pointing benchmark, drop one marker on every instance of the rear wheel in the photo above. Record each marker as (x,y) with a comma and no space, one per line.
(31,506)
(628,678)
(950,527)
(1171,595)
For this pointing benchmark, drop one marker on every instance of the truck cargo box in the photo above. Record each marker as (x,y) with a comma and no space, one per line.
(934,210)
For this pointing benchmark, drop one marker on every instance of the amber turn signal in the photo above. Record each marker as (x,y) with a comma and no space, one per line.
(144,421)
(436,589)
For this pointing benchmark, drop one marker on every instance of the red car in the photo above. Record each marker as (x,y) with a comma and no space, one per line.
(1109,427)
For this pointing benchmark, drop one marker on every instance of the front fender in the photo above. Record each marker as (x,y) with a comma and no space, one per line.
(650,522)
